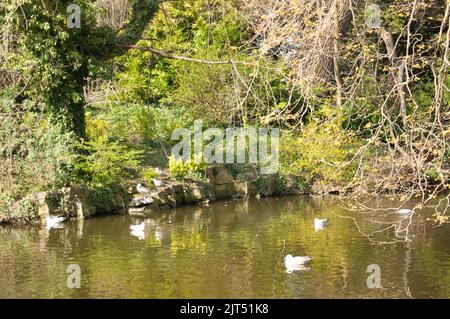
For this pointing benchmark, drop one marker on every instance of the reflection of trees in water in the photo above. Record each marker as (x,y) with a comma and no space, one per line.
(406,268)
(218,251)
(25,254)
(298,284)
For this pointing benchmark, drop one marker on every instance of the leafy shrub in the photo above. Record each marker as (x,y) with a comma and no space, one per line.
(262,186)
(149,174)
(167,120)
(280,185)
(195,168)
(107,198)
(145,120)
(12,211)
(96,127)
(136,124)
(302,184)
(320,153)
(34,155)
(178,169)
(105,162)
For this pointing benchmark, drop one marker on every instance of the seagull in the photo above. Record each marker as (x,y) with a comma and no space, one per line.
(138,228)
(54,222)
(291,261)
(156,182)
(404,211)
(296,263)
(142,189)
(320,223)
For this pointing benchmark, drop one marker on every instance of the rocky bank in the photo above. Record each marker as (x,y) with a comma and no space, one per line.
(76,202)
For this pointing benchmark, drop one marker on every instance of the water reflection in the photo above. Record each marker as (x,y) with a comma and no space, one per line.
(224,250)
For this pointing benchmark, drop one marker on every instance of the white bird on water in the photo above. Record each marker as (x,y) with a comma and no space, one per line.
(290,260)
(320,223)
(404,211)
(296,263)
(142,189)
(54,222)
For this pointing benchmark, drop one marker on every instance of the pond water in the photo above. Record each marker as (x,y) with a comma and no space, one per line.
(229,249)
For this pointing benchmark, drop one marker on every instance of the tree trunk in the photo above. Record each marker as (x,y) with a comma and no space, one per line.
(336,69)
(398,71)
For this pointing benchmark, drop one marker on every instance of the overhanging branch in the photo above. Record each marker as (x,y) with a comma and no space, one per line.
(169,55)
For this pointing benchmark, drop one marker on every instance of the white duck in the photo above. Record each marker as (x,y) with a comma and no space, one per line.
(404,211)
(156,182)
(54,222)
(296,263)
(320,223)
(142,189)
(292,262)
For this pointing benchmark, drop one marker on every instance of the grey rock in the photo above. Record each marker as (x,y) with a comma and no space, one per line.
(140,201)
(70,202)
(222,177)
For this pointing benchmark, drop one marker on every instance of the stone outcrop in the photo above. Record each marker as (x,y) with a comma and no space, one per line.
(76,202)
(170,196)
(221,181)
(220,185)
(72,202)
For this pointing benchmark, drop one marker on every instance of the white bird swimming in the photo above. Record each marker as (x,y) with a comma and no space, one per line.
(142,189)
(290,260)
(296,263)
(54,222)
(156,182)
(320,223)
(404,211)
(138,227)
